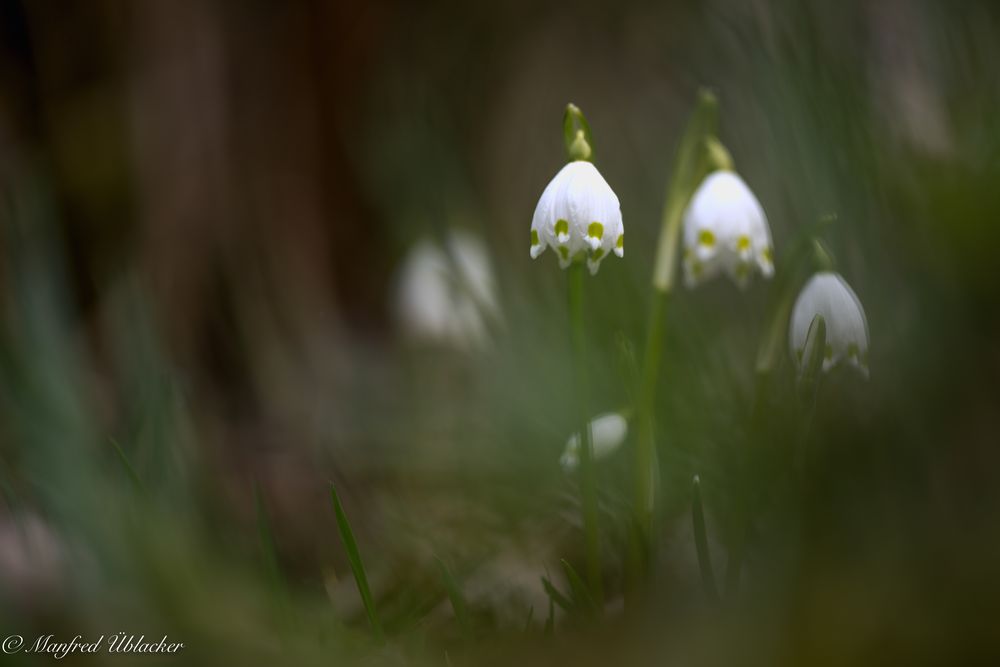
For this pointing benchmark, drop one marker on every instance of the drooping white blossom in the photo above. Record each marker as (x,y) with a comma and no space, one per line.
(828,294)
(578,214)
(726,230)
(608,432)
(447,295)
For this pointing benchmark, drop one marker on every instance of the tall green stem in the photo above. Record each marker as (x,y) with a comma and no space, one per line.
(691,164)
(588,479)
(645,463)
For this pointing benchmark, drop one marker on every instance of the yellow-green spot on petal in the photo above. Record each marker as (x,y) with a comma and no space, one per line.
(595,230)
(696,269)
(768,254)
(597,254)
(620,243)
(564,252)
(828,352)
(534,237)
(852,350)
(562,227)
(743,243)
(706,238)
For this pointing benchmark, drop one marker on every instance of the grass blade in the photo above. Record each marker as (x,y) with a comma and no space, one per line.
(701,542)
(557,597)
(456,598)
(136,482)
(357,566)
(265,537)
(584,601)
(812,359)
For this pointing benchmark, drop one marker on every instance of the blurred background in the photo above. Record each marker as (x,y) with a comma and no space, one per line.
(249,249)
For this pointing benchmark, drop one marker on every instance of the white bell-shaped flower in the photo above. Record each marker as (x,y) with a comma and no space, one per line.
(578,213)
(725,230)
(447,299)
(829,295)
(608,432)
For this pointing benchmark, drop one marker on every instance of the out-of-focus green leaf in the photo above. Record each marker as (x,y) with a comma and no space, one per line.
(357,565)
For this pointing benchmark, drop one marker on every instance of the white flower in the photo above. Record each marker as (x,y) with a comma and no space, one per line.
(447,299)
(725,229)
(608,432)
(829,295)
(578,213)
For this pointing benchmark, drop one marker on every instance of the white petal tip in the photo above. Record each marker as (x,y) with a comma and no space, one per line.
(537,250)
(861,367)
(692,274)
(704,253)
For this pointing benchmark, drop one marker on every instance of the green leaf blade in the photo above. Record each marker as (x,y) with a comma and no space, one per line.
(357,565)
(457,599)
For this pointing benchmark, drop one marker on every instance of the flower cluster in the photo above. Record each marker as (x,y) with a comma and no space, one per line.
(724,230)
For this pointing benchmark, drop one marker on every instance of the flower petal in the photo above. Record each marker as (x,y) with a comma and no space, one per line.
(725,225)
(577,212)
(829,295)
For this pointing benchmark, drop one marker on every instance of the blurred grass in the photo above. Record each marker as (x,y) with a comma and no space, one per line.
(357,565)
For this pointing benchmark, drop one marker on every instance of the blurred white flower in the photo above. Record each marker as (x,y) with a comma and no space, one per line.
(448,296)
(725,229)
(829,295)
(32,560)
(578,212)
(607,430)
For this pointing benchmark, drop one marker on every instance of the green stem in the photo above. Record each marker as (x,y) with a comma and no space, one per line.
(577,137)
(645,462)
(719,158)
(737,552)
(701,542)
(588,479)
(690,166)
